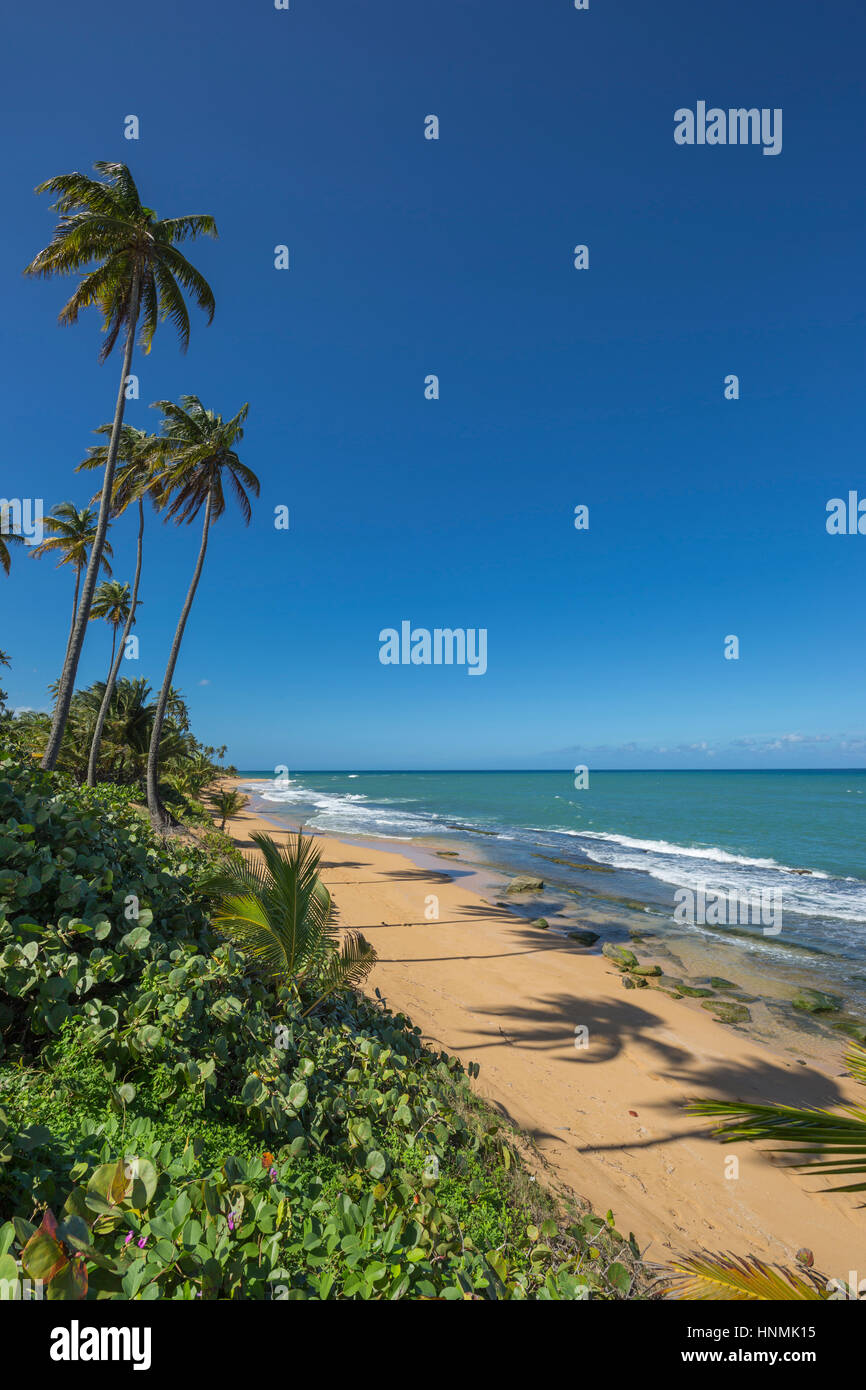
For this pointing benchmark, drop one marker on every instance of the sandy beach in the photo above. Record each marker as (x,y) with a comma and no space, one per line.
(608,1118)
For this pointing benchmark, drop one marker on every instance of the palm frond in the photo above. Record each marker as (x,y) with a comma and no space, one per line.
(279,912)
(835,1143)
(730,1278)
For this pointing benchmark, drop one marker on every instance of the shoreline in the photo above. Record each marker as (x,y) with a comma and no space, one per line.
(607,1118)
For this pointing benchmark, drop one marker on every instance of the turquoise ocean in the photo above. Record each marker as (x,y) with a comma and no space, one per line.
(631,841)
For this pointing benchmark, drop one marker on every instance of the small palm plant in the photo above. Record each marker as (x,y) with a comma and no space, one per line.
(280,914)
(227,803)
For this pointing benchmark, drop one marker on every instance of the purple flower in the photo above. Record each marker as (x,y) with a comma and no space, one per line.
(128,1237)
(231,1222)
(273,1174)
(142,1243)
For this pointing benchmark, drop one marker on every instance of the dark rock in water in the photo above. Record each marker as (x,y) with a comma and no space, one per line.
(620,955)
(628,982)
(541,922)
(726,1012)
(799,871)
(646,970)
(693,992)
(448,854)
(584,936)
(635,934)
(525,883)
(576,864)
(815,1001)
(718,982)
(671,993)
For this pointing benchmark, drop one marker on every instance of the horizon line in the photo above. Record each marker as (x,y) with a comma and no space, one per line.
(569,771)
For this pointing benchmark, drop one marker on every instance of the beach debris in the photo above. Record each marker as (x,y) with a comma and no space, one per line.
(525,883)
(584,936)
(633,1112)
(620,955)
(815,1001)
(805,1256)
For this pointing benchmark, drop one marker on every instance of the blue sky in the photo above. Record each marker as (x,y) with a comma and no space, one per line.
(558,386)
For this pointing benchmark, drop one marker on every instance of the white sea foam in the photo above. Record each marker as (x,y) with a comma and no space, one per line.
(816,894)
(347,813)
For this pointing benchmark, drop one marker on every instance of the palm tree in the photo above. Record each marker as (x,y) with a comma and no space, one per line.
(133,272)
(111,602)
(280,913)
(72,535)
(134,477)
(200,459)
(227,803)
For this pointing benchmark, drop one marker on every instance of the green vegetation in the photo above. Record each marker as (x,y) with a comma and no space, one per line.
(281,915)
(177,1123)
(227,804)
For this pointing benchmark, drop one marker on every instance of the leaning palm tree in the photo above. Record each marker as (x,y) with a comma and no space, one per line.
(200,460)
(133,272)
(72,533)
(227,803)
(132,480)
(111,602)
(280,914)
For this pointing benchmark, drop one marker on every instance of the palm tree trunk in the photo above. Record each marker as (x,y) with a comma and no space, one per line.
(74,605)
(157,811)
(93,760)
(76,641)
